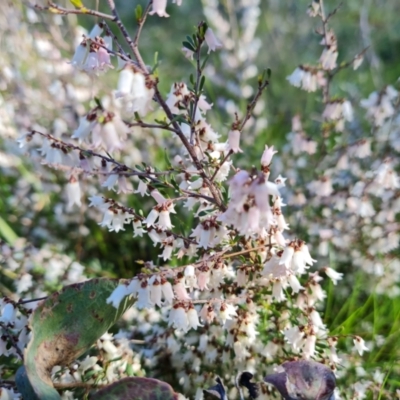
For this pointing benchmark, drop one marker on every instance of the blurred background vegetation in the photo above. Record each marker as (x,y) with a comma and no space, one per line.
(30,202)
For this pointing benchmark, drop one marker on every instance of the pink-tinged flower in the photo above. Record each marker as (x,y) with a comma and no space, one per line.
(158,197)
(212,42)
(203,278)
(159,8)
(328,58)
(180,291)
(360,345)
(266,157)
(241,277)
(188,53)
(207,313)
(234,141)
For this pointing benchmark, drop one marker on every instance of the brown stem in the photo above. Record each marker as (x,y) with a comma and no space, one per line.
(55,8)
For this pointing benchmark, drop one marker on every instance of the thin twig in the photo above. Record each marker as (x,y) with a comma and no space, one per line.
(221,164)
(56,9)
(10,336)
(252,104)
(141,23)
(125,34)
(20,301)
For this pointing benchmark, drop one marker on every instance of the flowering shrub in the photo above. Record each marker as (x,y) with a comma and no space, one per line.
(231,291)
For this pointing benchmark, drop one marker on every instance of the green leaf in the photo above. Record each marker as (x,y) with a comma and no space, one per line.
(136,389)
(7,233)
(77,3)
(188,46)
(205,61)
(63,327)
(167,160)
(138,12)
(202,81)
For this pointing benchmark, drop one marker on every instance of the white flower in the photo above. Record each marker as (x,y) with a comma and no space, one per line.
(178,317)
(155,290)
(212,42)
(167,292)
(294,283)
(144,300)
(227,311)
(8,314)
(110,181)
(84,128)
(135,95)
(152,217)
(234,141)
(297,77)
(142,188)
(73,191)
(266,157)
(335,276)
(309,346)
(193,318)
(165,220)
(329,57)
(294,337)
(360,345)
(122,291)
(159,8)
(358,61)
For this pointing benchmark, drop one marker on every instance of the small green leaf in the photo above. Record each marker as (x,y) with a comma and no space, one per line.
(205,61)
(188,46)
(202,81)
(7,233)
(77,3)
(138,12)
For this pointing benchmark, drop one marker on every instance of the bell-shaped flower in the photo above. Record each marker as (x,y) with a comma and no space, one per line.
(212,42)
(159,8)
